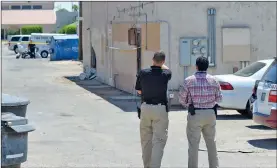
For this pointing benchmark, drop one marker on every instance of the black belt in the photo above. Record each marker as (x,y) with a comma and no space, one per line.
(204,108)
(151,103)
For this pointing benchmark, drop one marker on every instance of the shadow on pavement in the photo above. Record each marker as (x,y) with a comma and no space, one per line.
(270,143)
(259,127)
(231,117)
(123,100)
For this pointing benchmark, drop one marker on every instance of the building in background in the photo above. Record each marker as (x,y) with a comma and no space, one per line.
(231,34)
(18,14)
(65,17)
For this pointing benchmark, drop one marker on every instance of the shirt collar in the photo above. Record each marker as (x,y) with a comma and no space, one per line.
(201,72)
(156,67)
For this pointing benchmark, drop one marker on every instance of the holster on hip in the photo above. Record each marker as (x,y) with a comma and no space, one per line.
(191,109)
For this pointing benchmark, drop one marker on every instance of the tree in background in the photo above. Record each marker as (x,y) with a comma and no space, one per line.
(75,8)
(31,29)
(13,32)
(62,9)
(69,29)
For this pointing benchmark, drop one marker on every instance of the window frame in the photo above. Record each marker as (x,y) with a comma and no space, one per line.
(5,7)
(34,7)
(26,6)
(15,37)
(25,37)
(16,6)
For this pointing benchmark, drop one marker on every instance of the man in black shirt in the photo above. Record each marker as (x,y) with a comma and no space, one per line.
(32,48)
(152,85)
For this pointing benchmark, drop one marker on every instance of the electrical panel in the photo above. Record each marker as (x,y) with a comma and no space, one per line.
(191,48)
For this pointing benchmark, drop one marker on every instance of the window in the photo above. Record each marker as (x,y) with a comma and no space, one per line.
(5,7)
(15,38)
(15,7)
(26,7)
(37,7)
(271,74)
(25,39)
(250,70)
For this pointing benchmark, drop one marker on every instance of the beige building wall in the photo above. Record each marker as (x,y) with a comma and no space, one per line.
(188,19)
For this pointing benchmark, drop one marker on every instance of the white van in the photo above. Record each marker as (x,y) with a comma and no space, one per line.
(14,40)
(41,41)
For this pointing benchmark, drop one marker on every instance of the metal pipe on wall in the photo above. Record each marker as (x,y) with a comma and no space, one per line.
(209,35)
(80,26)
(212,35)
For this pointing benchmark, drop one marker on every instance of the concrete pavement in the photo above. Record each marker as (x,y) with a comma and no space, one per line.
(78,125)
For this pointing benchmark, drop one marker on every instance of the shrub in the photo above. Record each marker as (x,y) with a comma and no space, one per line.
(13,32)
(31,29)
(69,29)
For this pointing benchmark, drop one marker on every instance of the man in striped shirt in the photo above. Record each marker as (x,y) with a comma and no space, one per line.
(202,92)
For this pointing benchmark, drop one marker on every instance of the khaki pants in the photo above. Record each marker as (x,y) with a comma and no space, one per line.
(203,121)
(153,134)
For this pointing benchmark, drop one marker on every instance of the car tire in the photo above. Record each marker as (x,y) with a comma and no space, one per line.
(248,110)
(15,49)
(44,54)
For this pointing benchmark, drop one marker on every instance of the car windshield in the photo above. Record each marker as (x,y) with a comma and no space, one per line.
(271,75)
(15,38)
(250,70)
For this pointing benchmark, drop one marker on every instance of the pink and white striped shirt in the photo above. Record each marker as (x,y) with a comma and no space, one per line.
(202,89)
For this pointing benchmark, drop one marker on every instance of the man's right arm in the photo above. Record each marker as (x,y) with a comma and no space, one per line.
(218,94)
(138,83)
(183,95)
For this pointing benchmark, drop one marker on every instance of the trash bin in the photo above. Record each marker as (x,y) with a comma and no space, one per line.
(64,47)
(14,142)
(14,104)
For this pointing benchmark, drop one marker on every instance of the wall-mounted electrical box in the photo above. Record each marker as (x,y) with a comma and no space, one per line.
(191,48)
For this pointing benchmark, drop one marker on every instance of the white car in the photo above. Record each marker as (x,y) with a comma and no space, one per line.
(265,105)
(237,88)
(41,41)
(13,42)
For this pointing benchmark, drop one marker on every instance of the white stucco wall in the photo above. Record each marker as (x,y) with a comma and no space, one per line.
(190,19)
(183,19)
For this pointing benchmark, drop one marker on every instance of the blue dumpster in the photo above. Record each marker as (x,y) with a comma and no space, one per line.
(64,47)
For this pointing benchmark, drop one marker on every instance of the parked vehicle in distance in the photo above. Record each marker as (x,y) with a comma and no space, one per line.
(265,105)
(13,42)
(237,88)
(41,41)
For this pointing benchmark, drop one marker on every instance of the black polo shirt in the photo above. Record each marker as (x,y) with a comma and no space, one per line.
(153,84)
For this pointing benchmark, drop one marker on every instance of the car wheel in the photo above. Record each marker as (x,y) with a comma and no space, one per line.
(248,110)
(44,54)
(15,49)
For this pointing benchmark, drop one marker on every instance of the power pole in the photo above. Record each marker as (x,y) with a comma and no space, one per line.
(80,23)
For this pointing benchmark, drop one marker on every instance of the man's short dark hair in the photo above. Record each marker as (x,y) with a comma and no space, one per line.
(202,63)
(159,57)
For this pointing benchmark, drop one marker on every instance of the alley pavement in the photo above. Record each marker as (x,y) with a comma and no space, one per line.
(79,124)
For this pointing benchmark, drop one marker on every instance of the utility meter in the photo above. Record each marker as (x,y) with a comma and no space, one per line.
(195,42)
